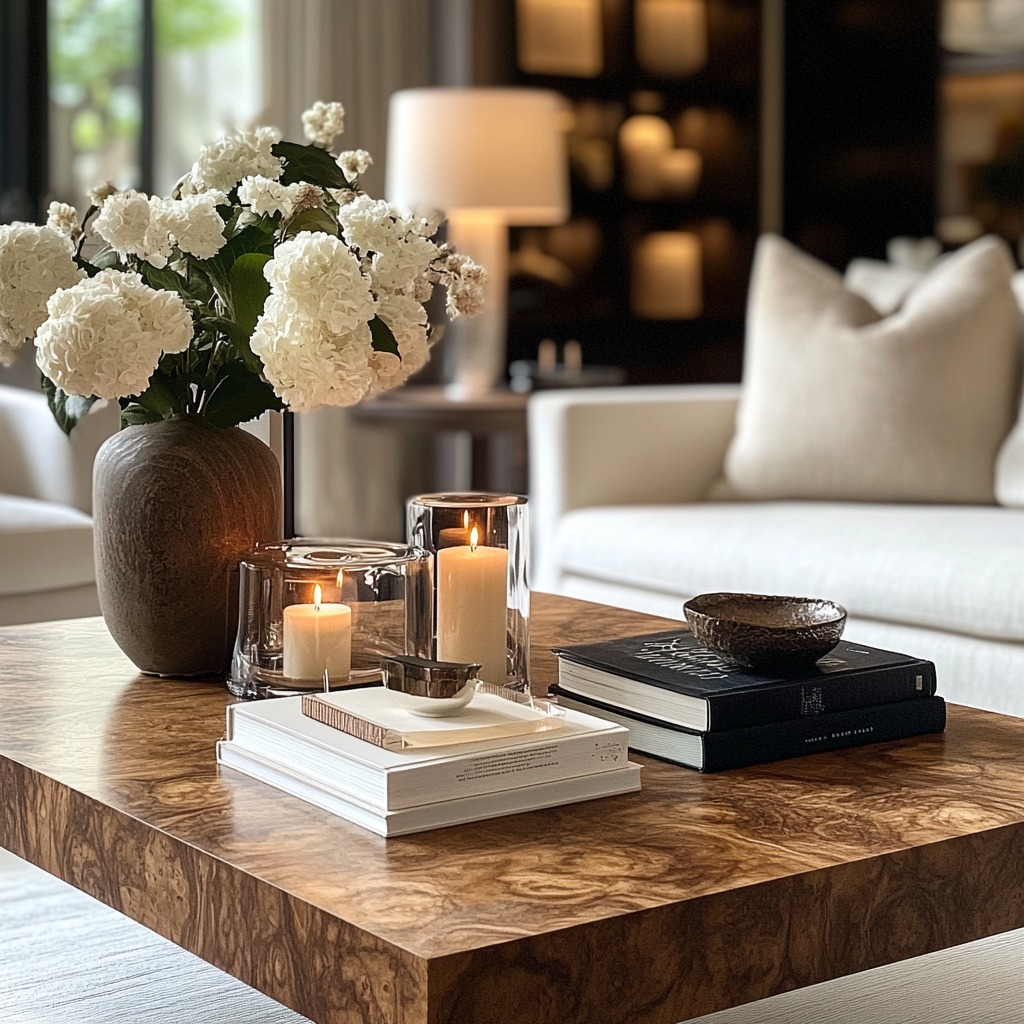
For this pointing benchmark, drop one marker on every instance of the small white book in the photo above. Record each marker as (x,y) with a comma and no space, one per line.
(370,713)
(389,780)
(624,779)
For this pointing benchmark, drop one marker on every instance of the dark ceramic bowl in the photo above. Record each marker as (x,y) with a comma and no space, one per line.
(761,631)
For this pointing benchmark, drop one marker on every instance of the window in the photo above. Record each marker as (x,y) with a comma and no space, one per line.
(137,87)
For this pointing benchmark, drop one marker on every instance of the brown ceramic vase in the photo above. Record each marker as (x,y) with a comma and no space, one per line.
(176,505)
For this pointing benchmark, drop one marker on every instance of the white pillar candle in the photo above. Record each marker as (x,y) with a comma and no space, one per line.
(317,636)
(471,607)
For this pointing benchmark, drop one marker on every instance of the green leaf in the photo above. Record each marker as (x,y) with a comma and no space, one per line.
(315,219)
(107,259)
(164,279)
(160,397)
(134,414)
(383,339)
(239,396)
(221,325)
(67,409)
(309,163)
(249,289)
(254,238)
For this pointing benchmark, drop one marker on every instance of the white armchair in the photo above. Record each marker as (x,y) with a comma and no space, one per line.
(46,559)
(620,446)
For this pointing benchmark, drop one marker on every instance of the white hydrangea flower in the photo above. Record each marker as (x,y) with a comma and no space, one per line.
(317,271)
(105,335)
(401,255)
(367,223)
(34,262)
(354,162)
(99,194)
(223,164)
(150,227)
(407,320)
(313,336)
(308,365)
(323,121)
(267,197)
(63,219)
(403,263)
(308,196)
(464,280)
(343,196)
(123,222)
(194,223)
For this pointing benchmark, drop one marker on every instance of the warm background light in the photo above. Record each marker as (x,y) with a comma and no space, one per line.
(671,36)
(643,139)
(559,37)
(667,279)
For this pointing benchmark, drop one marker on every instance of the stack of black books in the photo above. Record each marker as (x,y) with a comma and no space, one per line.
(685,704)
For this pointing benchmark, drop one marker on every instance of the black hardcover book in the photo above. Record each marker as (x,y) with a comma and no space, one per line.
(758,744)
(672,678)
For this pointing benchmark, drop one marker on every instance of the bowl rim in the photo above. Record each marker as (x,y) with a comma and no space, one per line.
(782,600)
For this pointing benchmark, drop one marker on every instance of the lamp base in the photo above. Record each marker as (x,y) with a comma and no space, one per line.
(474,348)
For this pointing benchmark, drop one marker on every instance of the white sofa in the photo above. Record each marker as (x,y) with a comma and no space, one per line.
(46,558)
(619,480)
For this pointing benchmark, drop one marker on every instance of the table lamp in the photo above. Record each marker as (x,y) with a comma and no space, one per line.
(487,158)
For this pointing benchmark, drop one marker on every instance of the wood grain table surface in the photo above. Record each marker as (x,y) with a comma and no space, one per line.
(700,892)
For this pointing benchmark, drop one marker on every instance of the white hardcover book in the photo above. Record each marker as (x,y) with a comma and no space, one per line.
(624,779)
(388,780)
(370,713)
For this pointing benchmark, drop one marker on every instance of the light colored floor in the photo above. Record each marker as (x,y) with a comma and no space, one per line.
(980,983)
(67,959)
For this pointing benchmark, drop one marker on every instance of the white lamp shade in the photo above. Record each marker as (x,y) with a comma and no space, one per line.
(495,152)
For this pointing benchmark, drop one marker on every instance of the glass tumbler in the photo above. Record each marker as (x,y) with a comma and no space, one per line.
(319,613)
(481,608)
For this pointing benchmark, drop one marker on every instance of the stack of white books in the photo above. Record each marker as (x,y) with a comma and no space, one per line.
(495,757)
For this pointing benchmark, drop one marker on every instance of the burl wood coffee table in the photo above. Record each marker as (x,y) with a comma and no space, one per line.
(698,893)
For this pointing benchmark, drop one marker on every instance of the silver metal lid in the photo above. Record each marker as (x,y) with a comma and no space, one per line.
(425,678)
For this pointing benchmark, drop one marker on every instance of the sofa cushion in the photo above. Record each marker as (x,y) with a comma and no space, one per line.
(840,402)
(943,567)
(43,546)
(884,285)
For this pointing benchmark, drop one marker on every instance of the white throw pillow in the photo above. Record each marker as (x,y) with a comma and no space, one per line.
(883,284)
(1010,461)
(841,402)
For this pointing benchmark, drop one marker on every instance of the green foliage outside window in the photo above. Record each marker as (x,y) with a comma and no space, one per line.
(95,56)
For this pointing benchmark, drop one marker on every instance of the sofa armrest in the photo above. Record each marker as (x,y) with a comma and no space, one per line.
(39,460)
(624,446)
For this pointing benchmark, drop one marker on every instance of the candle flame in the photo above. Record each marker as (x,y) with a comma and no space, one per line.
(341,574)
(474,538)
(317,595)
(465,519)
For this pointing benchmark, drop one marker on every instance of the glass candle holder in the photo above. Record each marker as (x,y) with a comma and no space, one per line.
(308,607)
(481,598)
